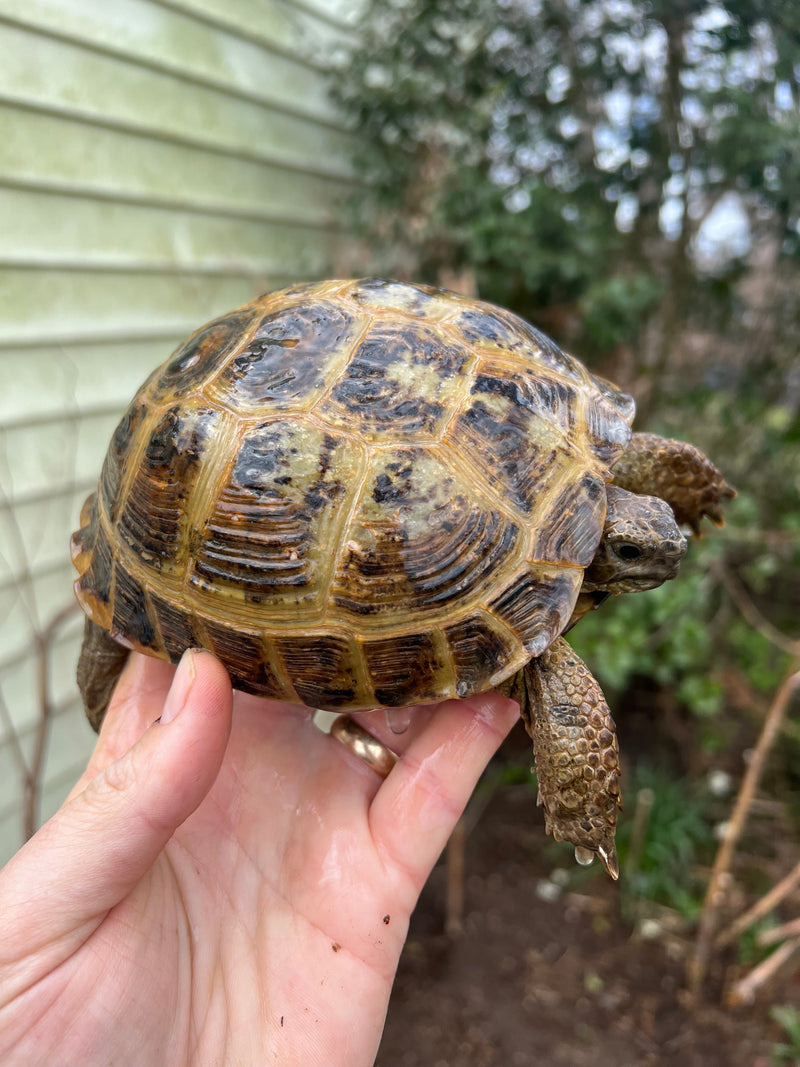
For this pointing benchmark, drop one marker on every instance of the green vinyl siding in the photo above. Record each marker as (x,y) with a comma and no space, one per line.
(161,161)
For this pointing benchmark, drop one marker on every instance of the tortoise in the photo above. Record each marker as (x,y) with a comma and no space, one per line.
(366,493)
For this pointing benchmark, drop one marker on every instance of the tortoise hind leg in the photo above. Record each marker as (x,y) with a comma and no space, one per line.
(678,473)
(99,667)
(575,751)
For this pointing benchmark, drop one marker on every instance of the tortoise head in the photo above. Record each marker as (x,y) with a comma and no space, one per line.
(642,545)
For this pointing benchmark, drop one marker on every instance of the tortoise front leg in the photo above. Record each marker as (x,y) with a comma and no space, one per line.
(99,667)
(575,751)
(678,473)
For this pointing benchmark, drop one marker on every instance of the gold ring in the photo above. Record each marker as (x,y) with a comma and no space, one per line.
(362,744)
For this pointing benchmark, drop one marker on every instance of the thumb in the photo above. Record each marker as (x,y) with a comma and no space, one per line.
(101,843)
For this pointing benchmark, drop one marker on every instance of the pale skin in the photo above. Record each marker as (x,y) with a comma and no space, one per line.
(227,888)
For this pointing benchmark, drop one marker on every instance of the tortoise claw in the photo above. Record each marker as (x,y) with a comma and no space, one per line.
(585,856)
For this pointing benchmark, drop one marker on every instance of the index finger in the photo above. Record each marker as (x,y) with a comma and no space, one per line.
(416,808)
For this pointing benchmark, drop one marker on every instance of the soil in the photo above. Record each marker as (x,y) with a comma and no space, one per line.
(564,981)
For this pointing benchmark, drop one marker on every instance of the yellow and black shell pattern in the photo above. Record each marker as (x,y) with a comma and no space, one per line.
(356,493)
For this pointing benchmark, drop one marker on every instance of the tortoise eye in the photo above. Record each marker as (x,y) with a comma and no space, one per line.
(628,552)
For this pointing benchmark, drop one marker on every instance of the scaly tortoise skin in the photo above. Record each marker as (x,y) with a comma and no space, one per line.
(365,494)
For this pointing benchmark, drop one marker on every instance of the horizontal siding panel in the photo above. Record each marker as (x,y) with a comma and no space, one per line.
(58,152)
(56,451)
(44,525)
(287,24)
(53,590)
(70,742)
(66,750)
(64,379)
(71,739)
(125,235)
(68,78)
(165,39)
(37,302)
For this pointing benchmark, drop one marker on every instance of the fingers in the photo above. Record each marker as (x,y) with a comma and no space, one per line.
(137,702)
(97,848)
(415,810)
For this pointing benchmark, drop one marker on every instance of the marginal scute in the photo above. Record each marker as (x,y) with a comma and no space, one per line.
(132,617)
(326,669)
(246,658)
(94,586)
(176,625)
(537,604)
(407,669)
(622,401)
(478,645)
(607,431)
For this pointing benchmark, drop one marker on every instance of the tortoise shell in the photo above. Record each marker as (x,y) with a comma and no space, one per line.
(356,494)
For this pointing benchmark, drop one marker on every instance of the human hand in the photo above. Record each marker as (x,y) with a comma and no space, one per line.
(221,890)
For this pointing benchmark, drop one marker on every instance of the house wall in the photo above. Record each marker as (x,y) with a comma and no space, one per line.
(161,161)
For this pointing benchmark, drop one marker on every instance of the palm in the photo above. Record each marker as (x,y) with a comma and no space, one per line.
(271,923)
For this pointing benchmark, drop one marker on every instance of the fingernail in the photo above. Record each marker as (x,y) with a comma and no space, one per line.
(179,690)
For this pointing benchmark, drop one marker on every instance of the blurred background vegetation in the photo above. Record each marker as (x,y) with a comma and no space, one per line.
(626,175)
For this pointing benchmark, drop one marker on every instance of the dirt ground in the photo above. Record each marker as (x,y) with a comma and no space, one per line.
(548,983)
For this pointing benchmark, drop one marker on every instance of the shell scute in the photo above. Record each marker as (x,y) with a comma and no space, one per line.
(94,586)
(538,603)
(576,514)
(418,301)
(522,457)
(408,669)
(607,432)
(176,625)
(289,359)
(151,518)
(544,352)
(420,539)
(402,380)
(485,327)
(326,669)
(247,658)
(194,361)
(132,615)
(266,538)
(545,397)
(479,645)
(118,456)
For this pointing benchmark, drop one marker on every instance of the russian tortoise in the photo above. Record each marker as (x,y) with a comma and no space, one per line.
(365,494)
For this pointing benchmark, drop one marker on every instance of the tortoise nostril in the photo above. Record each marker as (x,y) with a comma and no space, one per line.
(628,552)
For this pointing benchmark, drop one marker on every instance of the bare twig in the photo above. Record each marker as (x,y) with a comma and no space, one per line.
(720,874)
(645,798)
(779,933)
(761,908)
(746,990)
(744,603)
(43,641)
(456,848)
